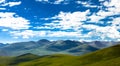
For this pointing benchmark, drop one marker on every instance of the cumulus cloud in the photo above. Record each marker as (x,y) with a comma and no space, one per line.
(67,20)
(106,32)
(90,27)
(13,21)
(26,34)
(86,4)
(70,20)
(4,3)
(1,2)
(77,21)
(110,31)
(11,4)
(116,23)
(113,6)
(10,22)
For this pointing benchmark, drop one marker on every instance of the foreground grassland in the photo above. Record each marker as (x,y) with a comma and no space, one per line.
(105,57)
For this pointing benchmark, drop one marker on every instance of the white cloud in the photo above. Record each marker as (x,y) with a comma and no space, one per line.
(116,23)
(8,19)
(95,18)
(101,0)
(1,1)
(58,1)
(116,6)
(27,34)
(67,20)
(43,1)
(104,13)
(105,32)
(43,27)
(80,2)
(4,30)
(74,20)
(86,4)
(14,3)
(90,27)
(11,4)
(113,8)
(2,8)
(24,34)
(11,19)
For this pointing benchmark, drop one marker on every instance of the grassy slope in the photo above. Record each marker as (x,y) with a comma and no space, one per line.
(111,62)
(4,61)
(106,57)
(14,61)
(54,60)
(101,55)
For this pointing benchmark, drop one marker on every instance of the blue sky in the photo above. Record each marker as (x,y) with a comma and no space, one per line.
(84,20)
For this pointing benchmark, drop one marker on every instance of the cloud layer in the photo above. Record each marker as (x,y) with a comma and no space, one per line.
(96,24)
(99,21)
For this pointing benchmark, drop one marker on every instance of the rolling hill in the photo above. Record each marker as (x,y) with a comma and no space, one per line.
(105,57)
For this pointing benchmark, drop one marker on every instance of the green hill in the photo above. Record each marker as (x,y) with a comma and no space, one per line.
(23,58)
(105,57)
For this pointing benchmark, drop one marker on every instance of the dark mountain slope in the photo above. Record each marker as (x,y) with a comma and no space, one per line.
(63,45)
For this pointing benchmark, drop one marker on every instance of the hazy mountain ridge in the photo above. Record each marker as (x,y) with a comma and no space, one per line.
(46,47)
(105,57)
(3,45)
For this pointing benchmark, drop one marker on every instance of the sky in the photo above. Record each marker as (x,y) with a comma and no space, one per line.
(83,20)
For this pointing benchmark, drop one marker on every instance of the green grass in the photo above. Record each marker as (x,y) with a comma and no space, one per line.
(110,62)
(105,57)
(53,60)
(4,61)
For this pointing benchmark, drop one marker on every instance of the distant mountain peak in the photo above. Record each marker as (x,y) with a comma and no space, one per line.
(44,40)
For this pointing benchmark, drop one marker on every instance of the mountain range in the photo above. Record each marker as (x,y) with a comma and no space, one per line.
(46,47)
(104,57)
